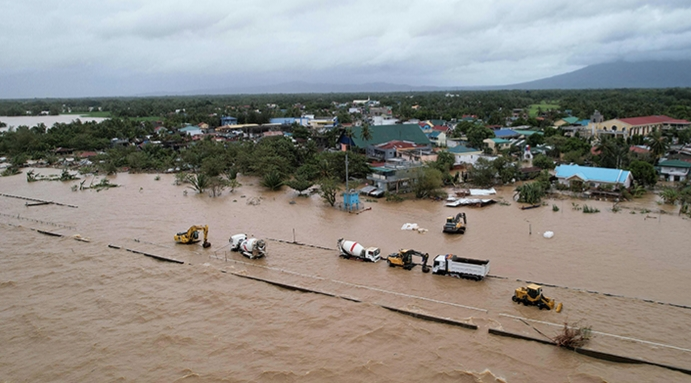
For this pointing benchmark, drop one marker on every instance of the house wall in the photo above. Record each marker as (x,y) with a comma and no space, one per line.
(594,184)
(620,127)
(674,174)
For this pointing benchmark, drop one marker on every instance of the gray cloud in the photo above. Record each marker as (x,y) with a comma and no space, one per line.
(437,42)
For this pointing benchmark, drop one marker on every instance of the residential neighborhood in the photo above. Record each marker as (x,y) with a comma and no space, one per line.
(580,154)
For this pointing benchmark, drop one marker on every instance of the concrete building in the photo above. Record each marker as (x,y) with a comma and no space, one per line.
(396,175)
(395,149)
(627,127)
(674,170)
(464,155)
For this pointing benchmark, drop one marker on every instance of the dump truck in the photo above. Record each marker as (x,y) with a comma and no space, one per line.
(531,295)
(404,259)
(351,249)
(453,265)
(251,248)
(455,224)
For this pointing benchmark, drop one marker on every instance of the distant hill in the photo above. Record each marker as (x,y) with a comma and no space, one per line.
(306,87)
(621,74)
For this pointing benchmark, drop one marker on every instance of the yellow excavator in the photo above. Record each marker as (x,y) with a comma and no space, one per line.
(404,259)
(192,235)
(531,295)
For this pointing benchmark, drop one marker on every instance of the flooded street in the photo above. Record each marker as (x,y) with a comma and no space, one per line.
(84,311)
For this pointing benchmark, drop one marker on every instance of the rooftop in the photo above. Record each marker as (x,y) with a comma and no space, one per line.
(592,173)
(648,120)
(675,164)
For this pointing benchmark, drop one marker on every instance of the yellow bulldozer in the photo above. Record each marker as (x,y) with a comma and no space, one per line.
(531,295)
(192,235)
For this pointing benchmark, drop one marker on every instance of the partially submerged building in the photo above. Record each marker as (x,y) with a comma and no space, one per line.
(592,177)
(674,170)
(396,175)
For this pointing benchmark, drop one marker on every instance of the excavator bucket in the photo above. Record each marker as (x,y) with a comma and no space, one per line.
(559,306)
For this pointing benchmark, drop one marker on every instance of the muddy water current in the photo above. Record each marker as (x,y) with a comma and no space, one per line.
(74,311)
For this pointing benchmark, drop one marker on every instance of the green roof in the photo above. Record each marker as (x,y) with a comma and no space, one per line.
(529,132)
(500,140)
(460,149)
(571,120)
(675,164)
(385,133)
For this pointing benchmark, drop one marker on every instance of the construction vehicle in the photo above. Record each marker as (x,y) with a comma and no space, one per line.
(531,295)
(192,235)
(351,249)
(449,264)
(404,259)
(251,248)
(455,224)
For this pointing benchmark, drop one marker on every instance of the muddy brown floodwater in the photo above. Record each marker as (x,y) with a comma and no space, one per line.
(74,311)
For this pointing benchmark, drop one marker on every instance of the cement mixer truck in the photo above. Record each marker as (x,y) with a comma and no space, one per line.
(351,249)
(251,248)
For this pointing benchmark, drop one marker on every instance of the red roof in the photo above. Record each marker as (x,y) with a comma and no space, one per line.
(648,120)
(396,144)
(638,149)
(440,128)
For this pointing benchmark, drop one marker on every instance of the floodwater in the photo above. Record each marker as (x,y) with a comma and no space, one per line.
(48,121)
(83,311)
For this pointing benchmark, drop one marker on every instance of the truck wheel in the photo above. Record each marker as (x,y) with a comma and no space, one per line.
(513,298)
(390,264)
(525,302)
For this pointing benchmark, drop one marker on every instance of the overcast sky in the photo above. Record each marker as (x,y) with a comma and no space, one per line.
(79,48)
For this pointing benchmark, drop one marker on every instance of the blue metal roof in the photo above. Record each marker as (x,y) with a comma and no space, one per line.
(282,120)
(592,174)
(501,133)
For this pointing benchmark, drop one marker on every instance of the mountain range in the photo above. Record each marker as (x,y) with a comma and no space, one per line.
(615,75)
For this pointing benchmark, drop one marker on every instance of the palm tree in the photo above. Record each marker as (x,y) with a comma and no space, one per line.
(658,143)
(366,132)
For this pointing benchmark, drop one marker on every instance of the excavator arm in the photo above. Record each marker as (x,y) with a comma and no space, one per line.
(192,236)
(404,258)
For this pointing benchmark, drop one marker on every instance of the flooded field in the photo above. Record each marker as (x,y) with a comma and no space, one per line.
(84,311)
(14,122)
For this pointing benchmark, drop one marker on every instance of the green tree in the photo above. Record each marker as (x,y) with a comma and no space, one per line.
(328,190)
(445,161)
(530,193)
(477,134)
(365,132)
(299,184)
(483,173)
(428,183)
(658,143)
(643,173)
(535,139)
(272,180)
(543,162)
(199,182)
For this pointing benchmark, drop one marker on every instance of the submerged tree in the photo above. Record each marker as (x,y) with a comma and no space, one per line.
(272,180)
(530,193)
(200,182)
(328,190)
(299,184)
